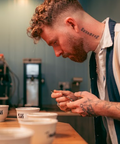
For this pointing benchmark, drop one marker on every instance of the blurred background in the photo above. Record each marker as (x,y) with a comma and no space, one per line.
(19,51)
(15,16)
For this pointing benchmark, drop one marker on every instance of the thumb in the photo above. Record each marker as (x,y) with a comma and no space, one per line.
(79,94)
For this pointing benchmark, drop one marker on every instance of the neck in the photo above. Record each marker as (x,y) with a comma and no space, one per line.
(92,31)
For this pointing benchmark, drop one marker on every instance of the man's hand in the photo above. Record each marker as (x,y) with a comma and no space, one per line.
(85,105)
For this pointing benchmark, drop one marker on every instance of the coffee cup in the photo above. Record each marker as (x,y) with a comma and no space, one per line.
(14,135)
(3,112)
(44,129)
(23,111)
(43,115)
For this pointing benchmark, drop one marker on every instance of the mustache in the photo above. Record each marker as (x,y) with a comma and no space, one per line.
(65,55)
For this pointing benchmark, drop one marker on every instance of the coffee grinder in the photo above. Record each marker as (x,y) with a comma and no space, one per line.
(32,82)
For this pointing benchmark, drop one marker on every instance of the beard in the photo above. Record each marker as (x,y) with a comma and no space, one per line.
(77,54)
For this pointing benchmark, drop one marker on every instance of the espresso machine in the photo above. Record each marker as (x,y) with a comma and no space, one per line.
(5,81)
(32,82)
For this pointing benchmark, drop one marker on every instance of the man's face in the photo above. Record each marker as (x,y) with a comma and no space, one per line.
(65,43)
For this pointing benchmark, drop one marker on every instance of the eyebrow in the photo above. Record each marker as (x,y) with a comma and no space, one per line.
(50,42)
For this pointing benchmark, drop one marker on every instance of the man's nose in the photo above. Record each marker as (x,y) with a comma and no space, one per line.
(58,52)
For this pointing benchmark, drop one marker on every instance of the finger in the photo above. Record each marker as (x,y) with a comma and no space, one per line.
(58,104)
(74,110)
(64,92)
(68,110)
(64,104)
(62,99)
(71,105)
(55,95)
(63,107)
(77,110)
(57,91)
(79,94)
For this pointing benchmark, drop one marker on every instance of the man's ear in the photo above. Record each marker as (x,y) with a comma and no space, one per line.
(72,23)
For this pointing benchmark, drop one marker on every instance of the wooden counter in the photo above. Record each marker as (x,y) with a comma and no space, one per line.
(65,134)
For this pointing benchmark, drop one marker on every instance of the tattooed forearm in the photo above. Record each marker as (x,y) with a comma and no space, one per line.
(89,33)
(118,106)
(100,108)
(108,105)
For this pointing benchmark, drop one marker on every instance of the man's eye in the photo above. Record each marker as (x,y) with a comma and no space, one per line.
(55,42)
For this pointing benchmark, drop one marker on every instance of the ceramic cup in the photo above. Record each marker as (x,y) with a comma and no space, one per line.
(44,129)
(14,135)
(23,111)
(3,112)
(43,115)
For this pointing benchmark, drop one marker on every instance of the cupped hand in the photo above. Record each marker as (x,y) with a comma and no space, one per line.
(62,98)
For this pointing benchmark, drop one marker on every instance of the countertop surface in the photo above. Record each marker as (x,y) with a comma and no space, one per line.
(65,134)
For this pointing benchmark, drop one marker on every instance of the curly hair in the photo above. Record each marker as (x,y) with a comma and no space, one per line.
(46,14)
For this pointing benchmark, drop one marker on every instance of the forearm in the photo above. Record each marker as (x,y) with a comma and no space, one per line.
(109,109)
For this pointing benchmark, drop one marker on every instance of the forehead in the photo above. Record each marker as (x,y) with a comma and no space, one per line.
(47,33)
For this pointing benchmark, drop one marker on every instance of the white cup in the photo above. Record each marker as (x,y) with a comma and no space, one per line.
(3,112)
(23,111)
(43,115)
(44,129)
(14,135)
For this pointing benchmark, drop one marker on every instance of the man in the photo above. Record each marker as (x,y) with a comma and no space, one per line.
(72,33)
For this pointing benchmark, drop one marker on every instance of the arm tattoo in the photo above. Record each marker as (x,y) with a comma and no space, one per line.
(89,33)
(118,106)
(108,105)
(88,108)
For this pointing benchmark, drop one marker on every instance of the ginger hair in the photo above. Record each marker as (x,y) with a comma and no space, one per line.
(46,14)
